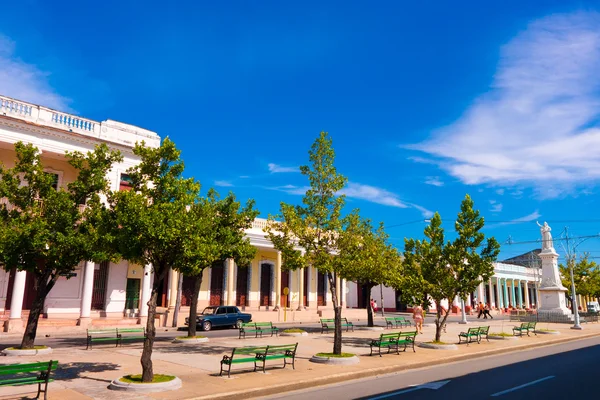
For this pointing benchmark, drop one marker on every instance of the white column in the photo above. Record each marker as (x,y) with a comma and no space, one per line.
(88,288)
(526,295)
(300,289)
(492,300)
(344,284)
(337,289)
(230,278)
(18,292)
(480,293)
(145,291)
(278,281)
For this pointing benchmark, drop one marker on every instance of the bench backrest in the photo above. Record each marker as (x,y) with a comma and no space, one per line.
(249,350)
(532,325)
(131,330)
(525,325)
(473,331)
(387,336)
(282,349)
(249,325)
(269,324)
(408,334)
(399,318)
(484,329)
(390,319)
(12,369)
(327,320)
(101,331)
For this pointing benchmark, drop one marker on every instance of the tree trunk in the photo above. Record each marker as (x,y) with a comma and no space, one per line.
(370,315)
(178,300)
(382,304)
(440,320)
(194,305)
(43,288)
(337,310)
(146,360)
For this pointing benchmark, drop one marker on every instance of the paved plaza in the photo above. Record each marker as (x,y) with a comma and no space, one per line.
(86,374)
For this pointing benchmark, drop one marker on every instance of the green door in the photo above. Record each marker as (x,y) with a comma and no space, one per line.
(132,294)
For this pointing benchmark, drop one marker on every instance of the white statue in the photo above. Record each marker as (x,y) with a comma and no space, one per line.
(546,236)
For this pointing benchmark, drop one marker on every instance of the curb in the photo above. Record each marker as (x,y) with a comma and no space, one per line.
(145,387)
(25,353)
(434,346)
(190,341)
(494,337)
(342,377)
(293,334)
(335,360)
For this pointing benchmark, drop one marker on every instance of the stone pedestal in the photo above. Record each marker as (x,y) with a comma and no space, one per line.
(14,325)
(84,322)
(553,305)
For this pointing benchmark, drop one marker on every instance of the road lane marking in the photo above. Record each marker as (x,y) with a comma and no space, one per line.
(522,386)
(430,385)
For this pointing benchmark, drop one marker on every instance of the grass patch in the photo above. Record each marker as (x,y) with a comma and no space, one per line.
(190,337)
(503,334)
(158,378)
(437,342)
(331,355)
(294,330)
(33,348)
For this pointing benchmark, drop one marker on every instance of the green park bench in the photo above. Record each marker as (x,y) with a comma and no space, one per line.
(525,327)
(131,334)
(249,327)
(407,339)
(389,340)
(469,335)
(329,323)
(279,352)
(28,374)
(241,355)
(396,322)
(266,327)
(101,335)
(484,331)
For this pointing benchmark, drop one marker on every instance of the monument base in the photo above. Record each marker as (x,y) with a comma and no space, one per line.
(553,307)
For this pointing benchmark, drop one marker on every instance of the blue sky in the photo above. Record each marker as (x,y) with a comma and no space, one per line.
(425,103)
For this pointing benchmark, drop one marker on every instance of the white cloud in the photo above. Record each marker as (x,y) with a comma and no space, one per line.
(223,183)
(373,194)
(276,168)
(434,180)
(537,126)
(496,207)
(291,189)
(244,176)
(527,218)
(500,192)
(27,82)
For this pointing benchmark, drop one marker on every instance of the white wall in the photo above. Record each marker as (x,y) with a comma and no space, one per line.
(65,296)
(3,288)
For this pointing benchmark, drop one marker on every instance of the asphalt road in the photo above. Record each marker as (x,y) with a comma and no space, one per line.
(563,371)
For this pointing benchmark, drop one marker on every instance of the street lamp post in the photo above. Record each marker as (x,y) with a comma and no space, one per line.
(574,297)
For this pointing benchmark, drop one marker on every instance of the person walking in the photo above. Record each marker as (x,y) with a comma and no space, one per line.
(375,306)
(486,312)
(418,318)
(480,308)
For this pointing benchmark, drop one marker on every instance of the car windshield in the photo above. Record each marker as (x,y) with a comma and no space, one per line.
(209,310)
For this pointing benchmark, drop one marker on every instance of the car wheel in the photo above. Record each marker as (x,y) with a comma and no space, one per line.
(239,323)
(206,326)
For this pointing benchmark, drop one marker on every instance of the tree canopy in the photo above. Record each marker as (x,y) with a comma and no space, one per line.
(48,230)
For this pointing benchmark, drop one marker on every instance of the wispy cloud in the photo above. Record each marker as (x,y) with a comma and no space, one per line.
(527,218)
(373,194)
(495,206)
(26,81)
(276,168)
(434,181)
(223,183)
(537,126)
(500,192)
(291,189)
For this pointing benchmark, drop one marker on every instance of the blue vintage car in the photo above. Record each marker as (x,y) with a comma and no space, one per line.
(221,316)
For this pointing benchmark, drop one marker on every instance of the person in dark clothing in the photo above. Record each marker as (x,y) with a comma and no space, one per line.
(486,312)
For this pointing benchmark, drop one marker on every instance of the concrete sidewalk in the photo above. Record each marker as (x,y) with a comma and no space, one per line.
(86,374)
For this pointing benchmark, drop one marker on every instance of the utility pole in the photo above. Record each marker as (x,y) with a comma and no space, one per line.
(570,252)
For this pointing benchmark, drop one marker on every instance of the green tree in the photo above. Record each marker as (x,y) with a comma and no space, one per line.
(149,222)
(445,269)
(46,230)
(586,276)
(369,257)
(308,234)
(217,228)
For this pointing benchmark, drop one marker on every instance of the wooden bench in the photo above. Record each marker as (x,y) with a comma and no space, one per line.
(469,335)
(101,335)
(329,323)
(28,374)
(130,334)
(525,327)
(407,338)
(266,327)
(279,352)
(396,322)
(484,330)
(389,340)
(249,327)
(241,355)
